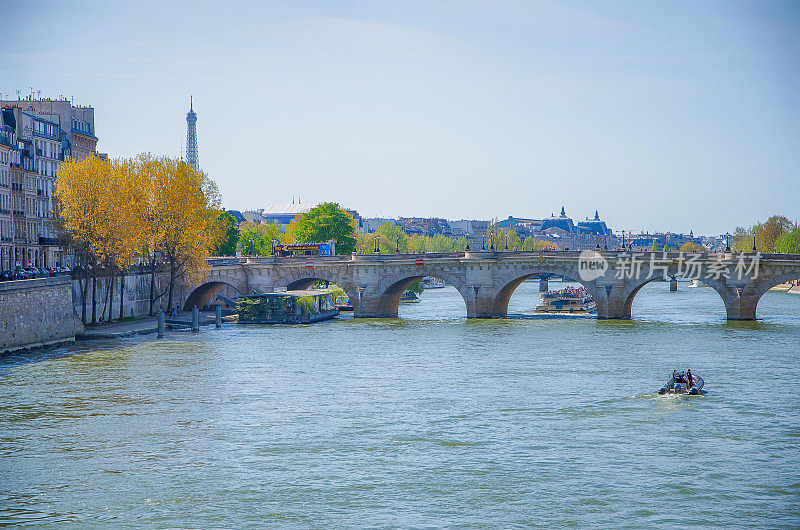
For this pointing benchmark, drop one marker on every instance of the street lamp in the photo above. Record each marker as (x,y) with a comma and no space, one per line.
(507,233)
(491,241)
(727,242)
(397,246)
(483,242)
(754,244)
(377,245)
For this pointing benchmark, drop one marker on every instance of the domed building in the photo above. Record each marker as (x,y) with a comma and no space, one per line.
(561,225)
(588,234)
(594,227)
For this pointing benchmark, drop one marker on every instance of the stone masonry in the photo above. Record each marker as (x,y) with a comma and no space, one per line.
(36,313)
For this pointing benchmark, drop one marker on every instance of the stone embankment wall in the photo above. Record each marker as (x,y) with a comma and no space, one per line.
(36,313)
(135,294)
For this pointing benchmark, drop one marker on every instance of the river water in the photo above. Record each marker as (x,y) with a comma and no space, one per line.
(429,420)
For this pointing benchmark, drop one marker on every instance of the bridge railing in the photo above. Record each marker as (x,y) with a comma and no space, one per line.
(479,254)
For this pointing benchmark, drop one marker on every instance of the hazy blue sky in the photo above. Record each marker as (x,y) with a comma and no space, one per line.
(661,115)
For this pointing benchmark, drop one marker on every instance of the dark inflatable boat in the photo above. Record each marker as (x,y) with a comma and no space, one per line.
(679,384)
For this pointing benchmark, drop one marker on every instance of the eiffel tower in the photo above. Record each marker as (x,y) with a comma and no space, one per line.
(191,136)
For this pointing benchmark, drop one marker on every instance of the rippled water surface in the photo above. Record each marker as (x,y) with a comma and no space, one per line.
(428,420)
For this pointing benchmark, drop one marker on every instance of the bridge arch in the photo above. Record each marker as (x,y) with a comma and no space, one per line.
(727,294)
(387,300)
(512,280)
(305,279)
(204,294)
(764,285)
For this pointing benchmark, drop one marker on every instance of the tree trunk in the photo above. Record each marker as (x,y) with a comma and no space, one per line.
(171,286)
(84,285)
(152,284)
(121,295)
(94,296)
(110,297)
(104,295)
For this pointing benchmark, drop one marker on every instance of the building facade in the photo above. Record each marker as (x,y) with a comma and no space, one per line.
(36,136)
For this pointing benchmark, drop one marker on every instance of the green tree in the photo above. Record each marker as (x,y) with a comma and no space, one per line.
(766,235)
(418,243)
(324,222)
(256,239)
(538,244)
(514,242)
(742,238)
(691,247)
(231,238)
(390,234)
(416,287)
(789,243)
(528,243)
(772,230)
(365,243)
(655,247)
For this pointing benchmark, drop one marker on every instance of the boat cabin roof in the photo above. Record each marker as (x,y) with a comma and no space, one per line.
(294,294)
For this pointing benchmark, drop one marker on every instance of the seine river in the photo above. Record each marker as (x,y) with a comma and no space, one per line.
(430,420)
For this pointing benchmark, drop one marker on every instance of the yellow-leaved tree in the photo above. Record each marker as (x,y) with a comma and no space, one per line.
(182,211)
(96,207)
(157,208)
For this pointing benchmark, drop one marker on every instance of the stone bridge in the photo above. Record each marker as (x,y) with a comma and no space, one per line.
(486,280)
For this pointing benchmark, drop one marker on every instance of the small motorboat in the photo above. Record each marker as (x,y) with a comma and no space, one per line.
(678,384)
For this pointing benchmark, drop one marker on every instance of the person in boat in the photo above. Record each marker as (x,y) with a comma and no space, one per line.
(689,378)
(675,375)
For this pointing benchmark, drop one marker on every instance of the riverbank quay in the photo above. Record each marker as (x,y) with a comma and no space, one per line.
(41,312)
(37,312)
(146,326)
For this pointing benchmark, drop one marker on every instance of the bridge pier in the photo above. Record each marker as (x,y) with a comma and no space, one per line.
(612,303)
(673,284)
(483,304)
(543,285)
(742,307)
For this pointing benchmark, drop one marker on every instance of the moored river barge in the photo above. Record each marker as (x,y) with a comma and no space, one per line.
(289,307)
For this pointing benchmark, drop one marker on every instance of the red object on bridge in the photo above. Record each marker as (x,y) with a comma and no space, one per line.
(309,265)
(420,261)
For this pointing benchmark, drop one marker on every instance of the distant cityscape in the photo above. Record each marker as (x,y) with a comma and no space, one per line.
(36,135)
(559,229)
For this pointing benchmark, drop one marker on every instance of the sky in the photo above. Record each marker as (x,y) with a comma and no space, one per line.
(662,116)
